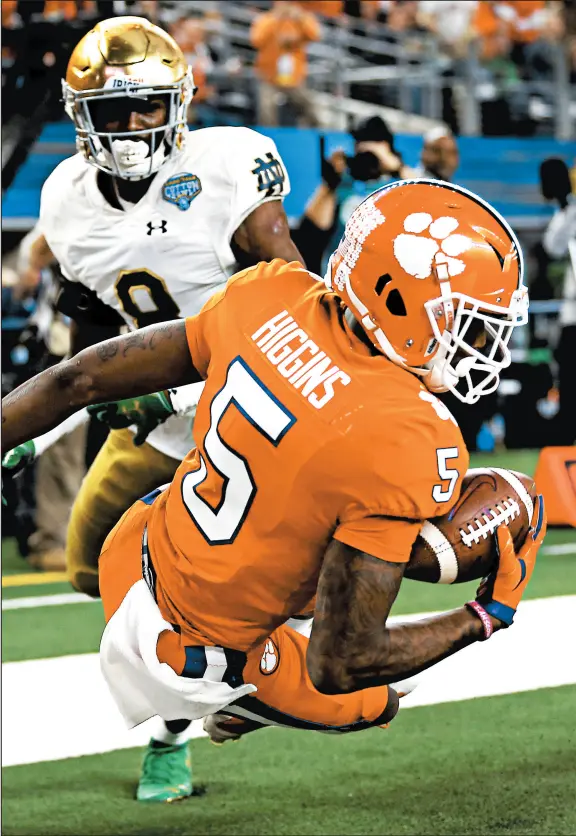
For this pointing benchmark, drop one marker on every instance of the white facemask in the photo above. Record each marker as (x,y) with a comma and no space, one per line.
(448,372)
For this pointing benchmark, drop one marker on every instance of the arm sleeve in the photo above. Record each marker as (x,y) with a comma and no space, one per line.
(397,480)
(257,174)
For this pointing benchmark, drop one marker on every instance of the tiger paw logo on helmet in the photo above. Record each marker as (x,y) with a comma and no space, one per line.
(417,253)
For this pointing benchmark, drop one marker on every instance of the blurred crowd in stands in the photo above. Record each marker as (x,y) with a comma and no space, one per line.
(269,45)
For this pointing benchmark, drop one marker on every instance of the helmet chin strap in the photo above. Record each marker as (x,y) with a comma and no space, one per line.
(442,377)
(439,378)
(441,272)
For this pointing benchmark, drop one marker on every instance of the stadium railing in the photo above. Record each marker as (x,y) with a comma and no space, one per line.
(408,70)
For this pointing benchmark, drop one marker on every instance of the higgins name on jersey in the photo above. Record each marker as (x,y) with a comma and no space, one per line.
(296,357)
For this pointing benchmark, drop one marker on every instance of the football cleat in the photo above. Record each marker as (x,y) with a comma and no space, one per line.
(166,773)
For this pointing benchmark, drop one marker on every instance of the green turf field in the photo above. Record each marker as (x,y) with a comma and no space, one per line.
(491,765)
(503,765)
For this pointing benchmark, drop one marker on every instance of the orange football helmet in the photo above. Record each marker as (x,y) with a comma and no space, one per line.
(435,277)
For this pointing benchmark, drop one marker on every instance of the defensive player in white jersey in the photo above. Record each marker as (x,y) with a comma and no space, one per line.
(146,222)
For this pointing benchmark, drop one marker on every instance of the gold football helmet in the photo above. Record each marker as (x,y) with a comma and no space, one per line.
(128,57)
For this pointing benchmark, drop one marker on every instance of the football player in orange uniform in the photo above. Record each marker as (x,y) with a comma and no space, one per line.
(321,450)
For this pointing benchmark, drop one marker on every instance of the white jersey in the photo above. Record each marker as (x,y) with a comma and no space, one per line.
(166,255)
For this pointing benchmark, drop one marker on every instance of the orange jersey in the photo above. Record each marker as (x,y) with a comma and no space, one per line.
(276,61)
(303,435)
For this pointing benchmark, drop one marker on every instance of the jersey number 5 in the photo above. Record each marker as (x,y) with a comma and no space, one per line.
(258,406)
(144,297)
(439,493)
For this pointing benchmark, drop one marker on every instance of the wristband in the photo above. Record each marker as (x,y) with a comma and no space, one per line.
(479,610)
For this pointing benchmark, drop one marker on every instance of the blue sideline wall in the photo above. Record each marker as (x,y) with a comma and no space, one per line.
(504,171)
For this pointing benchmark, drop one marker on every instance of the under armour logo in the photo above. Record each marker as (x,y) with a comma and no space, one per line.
(161,226)
(270,175)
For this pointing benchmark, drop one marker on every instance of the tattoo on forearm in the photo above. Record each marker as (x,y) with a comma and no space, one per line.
(145,340)
(12,410)
(350,637)
(354,598)
(51,396)
(149,339)
(107,350)
(18,393)
(136,340)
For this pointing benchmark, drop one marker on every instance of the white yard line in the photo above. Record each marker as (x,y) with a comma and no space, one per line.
(47,601)
(60,708)
(560,548)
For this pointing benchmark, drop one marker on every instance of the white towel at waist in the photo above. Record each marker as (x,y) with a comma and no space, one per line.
(141,685)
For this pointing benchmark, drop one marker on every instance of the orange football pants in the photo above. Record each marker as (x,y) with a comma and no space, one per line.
(285,696)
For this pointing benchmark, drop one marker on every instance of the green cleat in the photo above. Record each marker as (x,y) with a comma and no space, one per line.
(166,773)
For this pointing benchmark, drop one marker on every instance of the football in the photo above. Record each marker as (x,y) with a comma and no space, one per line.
(460,546)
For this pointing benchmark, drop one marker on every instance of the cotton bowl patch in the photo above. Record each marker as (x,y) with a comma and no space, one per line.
(181,189)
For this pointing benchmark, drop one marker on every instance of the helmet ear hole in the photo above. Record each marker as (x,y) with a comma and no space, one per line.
(395,303)
(382,282)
